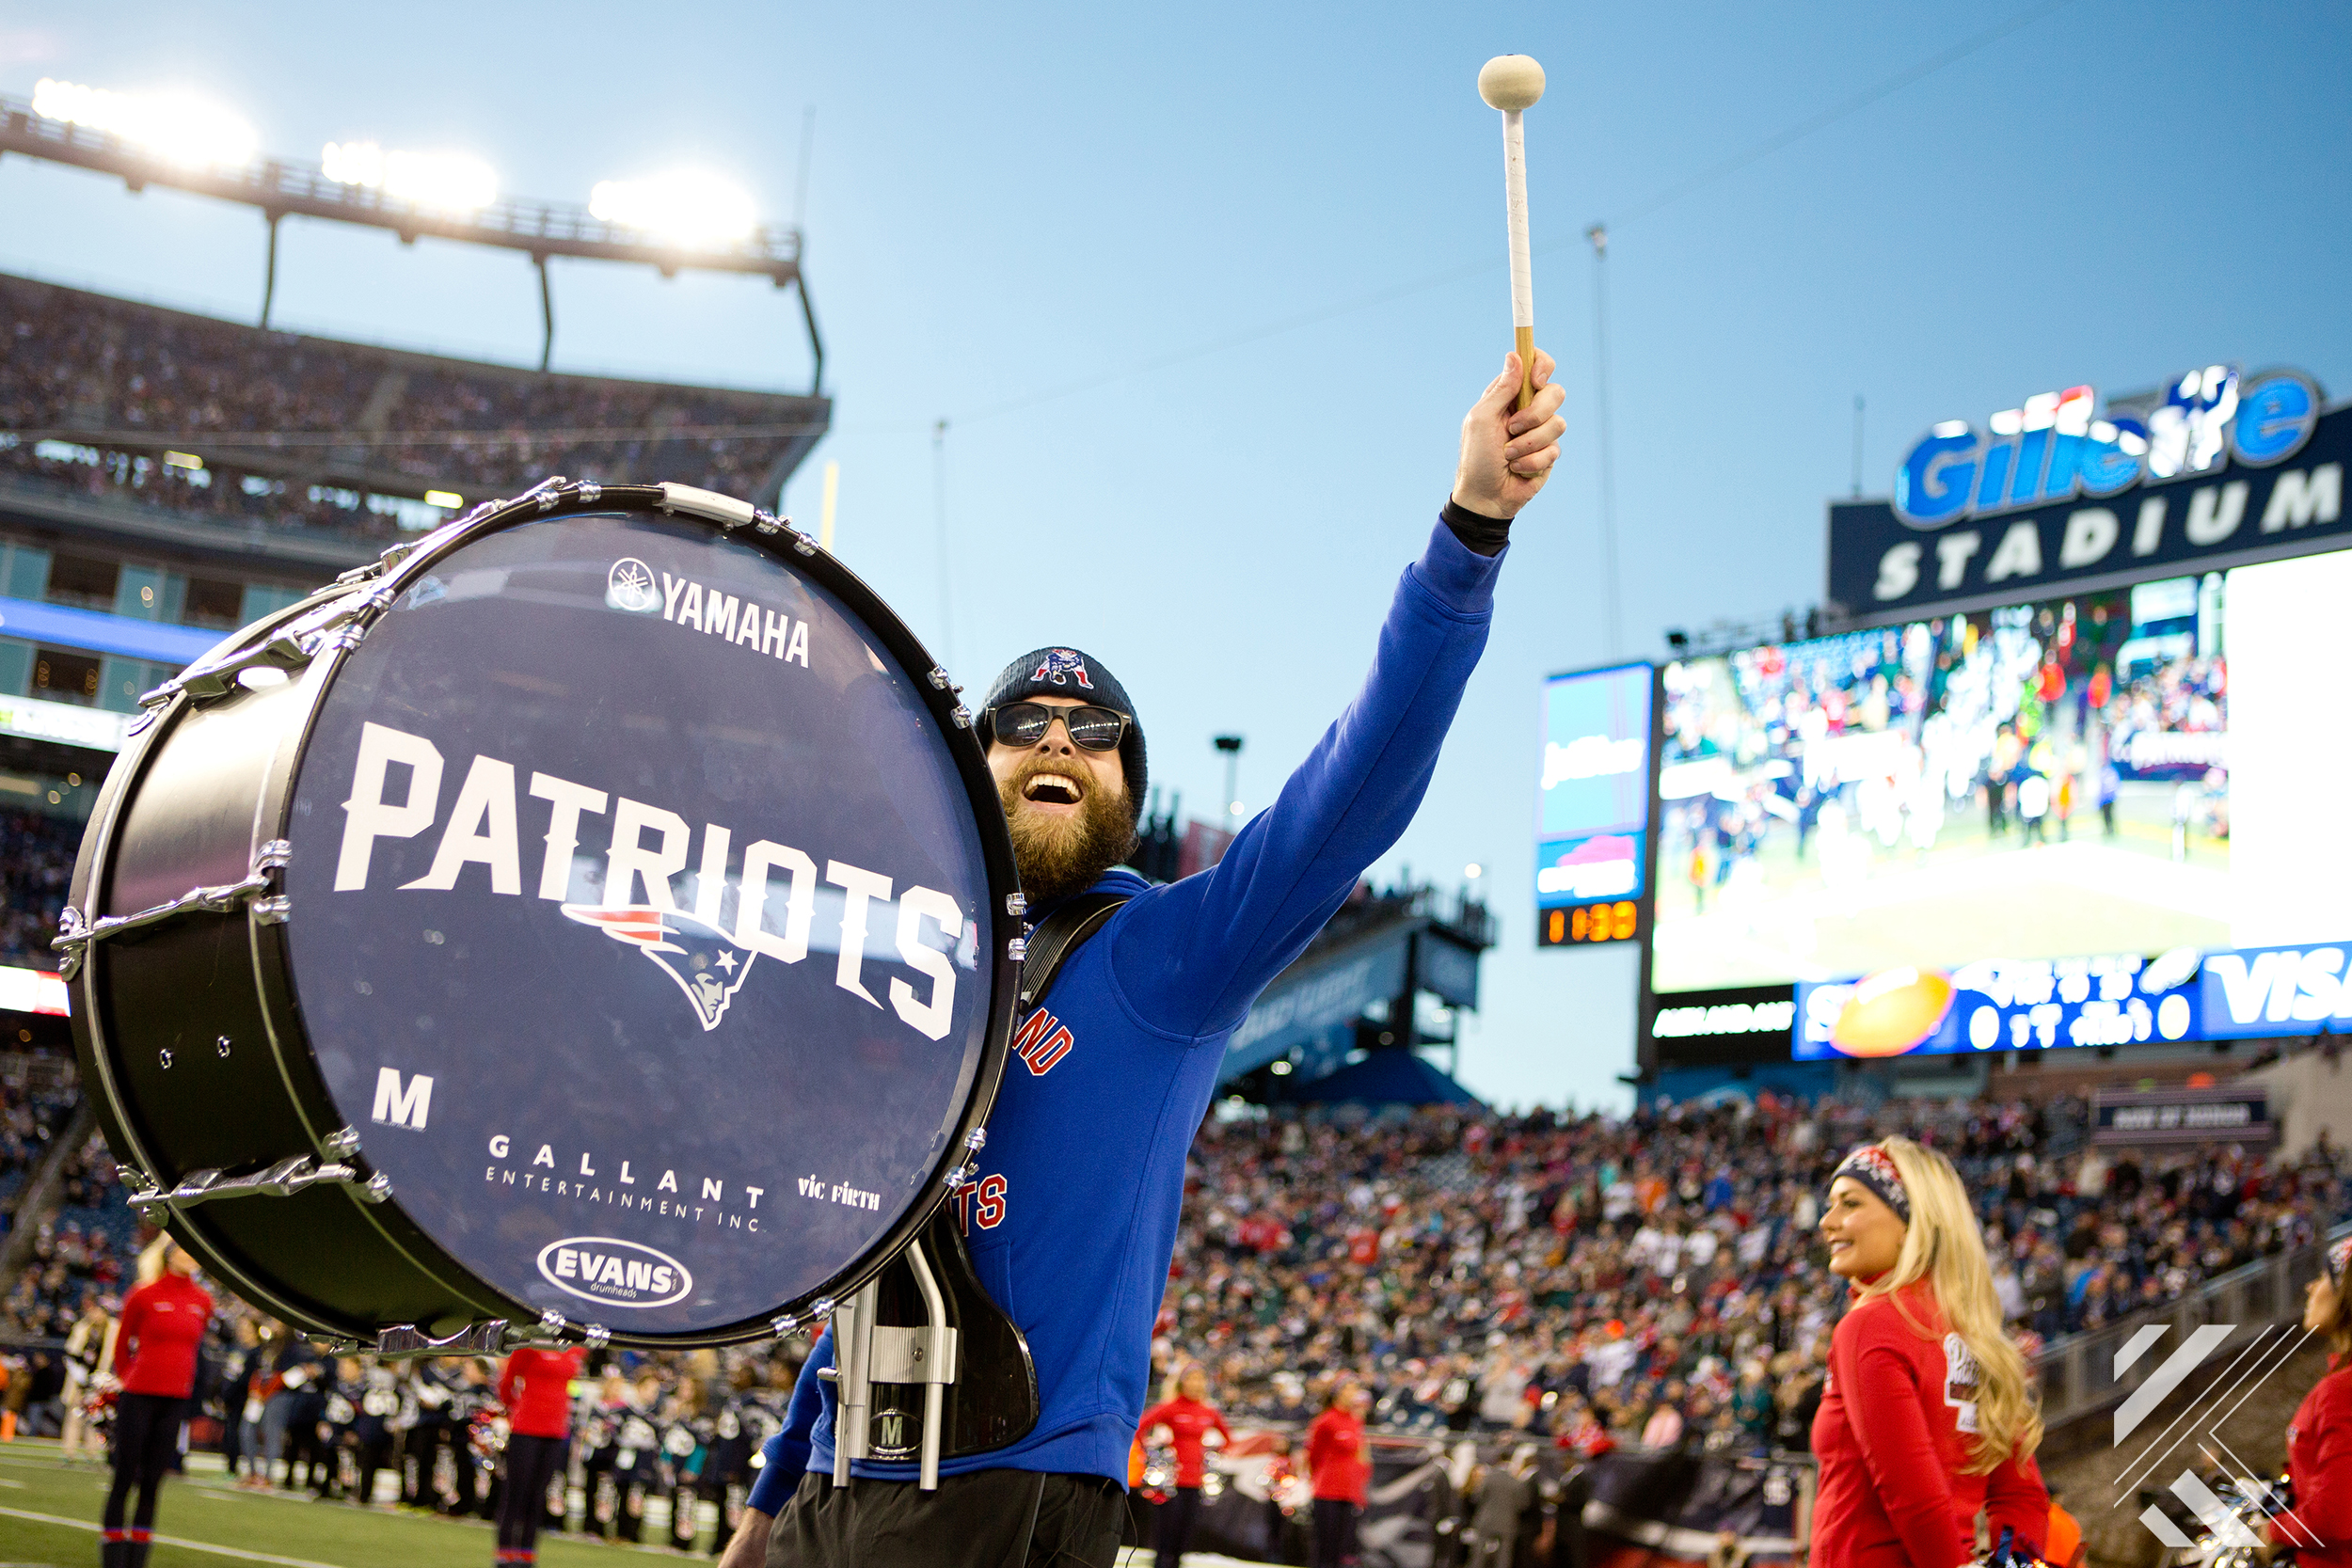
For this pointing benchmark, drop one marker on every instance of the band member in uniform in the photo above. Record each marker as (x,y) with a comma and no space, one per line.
(1188,1417)
(535,1386)
(2319,1439)
(84,1348)
(1339,1468)
(155,1356)
(1075,1210)
(1928,1416)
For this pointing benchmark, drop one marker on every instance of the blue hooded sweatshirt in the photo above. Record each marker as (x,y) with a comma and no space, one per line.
(1071,1219)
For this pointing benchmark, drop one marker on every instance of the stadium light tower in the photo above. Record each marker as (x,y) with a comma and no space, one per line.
(1231,745)
(689,223)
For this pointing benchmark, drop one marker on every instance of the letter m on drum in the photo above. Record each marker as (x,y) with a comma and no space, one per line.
(402,1106)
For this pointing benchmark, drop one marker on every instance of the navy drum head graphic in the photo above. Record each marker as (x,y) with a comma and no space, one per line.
(640,921)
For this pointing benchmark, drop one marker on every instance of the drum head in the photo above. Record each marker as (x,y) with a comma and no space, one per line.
(642,920)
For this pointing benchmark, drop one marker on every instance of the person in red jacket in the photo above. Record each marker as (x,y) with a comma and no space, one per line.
(1189,1416)
(2319,1439)
(1928,1417)
(1339,1467)
(155,1348)
(535,1386)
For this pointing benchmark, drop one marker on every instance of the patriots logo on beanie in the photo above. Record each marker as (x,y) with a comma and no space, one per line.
(2338,1256)
(1062,665)
(1068,672)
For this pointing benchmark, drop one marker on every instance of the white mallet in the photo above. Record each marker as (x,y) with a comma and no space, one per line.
(1514,82)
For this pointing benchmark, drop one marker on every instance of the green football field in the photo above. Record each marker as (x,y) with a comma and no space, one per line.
(48,1515)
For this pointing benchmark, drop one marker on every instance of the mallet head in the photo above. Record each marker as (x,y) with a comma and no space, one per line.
(1511,82)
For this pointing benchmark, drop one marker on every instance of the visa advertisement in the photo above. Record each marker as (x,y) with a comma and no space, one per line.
(2045,1005)
(1592,838)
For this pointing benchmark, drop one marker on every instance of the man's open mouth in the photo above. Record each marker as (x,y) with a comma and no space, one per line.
(1053,789)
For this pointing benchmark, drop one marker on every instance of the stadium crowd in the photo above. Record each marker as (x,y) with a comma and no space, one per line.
(1646,1282)
(1656,1279)
(307,430)
(36,864)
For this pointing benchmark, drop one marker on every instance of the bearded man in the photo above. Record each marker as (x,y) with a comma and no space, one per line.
(1071,1219)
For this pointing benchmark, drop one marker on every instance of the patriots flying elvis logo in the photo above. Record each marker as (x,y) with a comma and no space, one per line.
(707,963)
(1060,664)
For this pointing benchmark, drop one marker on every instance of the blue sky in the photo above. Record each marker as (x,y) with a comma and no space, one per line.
(1009,202)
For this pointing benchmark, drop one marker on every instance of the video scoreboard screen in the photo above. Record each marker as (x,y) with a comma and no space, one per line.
(1593,807)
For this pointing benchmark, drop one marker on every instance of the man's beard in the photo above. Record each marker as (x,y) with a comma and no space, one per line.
(1061,856)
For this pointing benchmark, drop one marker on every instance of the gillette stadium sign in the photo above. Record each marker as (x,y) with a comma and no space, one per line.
(2215,468)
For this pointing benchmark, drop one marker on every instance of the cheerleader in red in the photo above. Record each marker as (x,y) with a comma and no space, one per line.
(1189,1416)
(155,1356)
(1928,1417)
(2319,1439)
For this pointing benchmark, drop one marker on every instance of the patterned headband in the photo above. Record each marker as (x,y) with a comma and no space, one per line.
(1873,1167)
(2337,1257)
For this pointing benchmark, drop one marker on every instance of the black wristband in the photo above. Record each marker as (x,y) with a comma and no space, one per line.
(1479,534)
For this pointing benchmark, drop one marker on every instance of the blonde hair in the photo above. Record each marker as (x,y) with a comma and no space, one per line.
(1943,1246)
(151,1264)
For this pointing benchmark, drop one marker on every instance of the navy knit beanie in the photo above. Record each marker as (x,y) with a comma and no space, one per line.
(1068,672)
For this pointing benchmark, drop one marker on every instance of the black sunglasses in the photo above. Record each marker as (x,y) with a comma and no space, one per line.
(1097,729)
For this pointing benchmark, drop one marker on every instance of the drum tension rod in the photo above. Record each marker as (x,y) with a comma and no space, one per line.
(287,1176)
(77,932)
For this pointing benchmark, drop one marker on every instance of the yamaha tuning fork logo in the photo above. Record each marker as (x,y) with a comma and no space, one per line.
(631,586)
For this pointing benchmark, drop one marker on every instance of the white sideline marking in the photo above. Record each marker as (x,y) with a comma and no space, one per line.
(170,1541)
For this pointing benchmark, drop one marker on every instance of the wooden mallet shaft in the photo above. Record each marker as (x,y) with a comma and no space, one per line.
(1513,84)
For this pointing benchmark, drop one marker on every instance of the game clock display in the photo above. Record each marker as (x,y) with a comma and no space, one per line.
(1587,924)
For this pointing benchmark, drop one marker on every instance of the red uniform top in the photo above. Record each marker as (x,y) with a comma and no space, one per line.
(1892,1439)
(2319,1462)
(535,1385)
(1335,1458)
(1188,1420)
(162,1324)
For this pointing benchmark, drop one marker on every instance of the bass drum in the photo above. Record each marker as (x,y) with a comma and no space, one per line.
(595,922)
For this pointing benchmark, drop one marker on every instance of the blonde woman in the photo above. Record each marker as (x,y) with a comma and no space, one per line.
(1928,1417)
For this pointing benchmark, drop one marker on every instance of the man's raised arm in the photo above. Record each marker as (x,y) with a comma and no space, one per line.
(1213,941)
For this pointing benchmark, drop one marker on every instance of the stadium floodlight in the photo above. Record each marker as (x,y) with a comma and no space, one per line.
(688,208)
(444,182)
(172,126)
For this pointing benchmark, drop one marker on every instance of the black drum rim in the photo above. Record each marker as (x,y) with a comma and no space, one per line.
(373,589)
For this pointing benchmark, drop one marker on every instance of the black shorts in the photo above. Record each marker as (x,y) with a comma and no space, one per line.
(983,1519)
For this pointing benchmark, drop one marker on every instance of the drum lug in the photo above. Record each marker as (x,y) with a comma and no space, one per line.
(767,522)
(543,493)
(938,678)
(785,1325)
(588,489)
(977,1139)
(804,544)
(1017,950)
(1016,905)
(963,716)
(958,1177)
(595,1337)
(272,912)
(342,1141)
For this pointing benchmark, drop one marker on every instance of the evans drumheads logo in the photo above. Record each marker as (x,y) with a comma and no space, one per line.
(614,1272)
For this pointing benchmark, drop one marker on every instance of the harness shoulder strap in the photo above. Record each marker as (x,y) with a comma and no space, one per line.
(1058,935)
